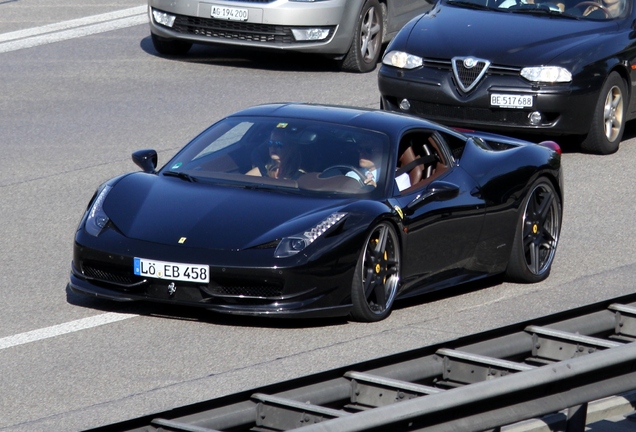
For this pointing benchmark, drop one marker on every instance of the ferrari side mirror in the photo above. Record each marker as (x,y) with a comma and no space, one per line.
(146,160)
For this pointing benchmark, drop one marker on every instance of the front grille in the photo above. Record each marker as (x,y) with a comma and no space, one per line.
(240,288)
(236,30)
(225,29)
(484,115)
(246,290)
(467,79)
(493,69)
(110,274)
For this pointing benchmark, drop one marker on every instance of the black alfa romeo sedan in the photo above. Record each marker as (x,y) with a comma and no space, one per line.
(561,67)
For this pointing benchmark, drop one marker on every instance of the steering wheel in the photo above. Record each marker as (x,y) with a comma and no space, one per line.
(604,9)
(345,169)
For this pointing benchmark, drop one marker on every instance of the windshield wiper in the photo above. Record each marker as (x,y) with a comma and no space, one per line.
(469,4)
(181,175)
(268,187)
(539,8)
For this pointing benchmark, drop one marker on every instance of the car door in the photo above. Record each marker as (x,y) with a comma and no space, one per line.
(442,216)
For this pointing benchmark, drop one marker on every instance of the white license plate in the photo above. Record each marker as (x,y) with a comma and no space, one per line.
(511,100)
(173,271)
(229,13)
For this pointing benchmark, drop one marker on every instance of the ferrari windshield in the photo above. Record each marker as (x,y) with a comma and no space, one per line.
(301,155)
(580,9)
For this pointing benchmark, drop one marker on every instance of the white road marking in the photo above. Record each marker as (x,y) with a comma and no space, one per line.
(61,329)
(29,38)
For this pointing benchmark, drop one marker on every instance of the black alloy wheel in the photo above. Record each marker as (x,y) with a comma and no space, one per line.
(377,275)
(537,234)
(608,121)
(366,47)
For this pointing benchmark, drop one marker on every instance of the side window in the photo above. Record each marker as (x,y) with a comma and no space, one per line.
(420,160)
(454,143)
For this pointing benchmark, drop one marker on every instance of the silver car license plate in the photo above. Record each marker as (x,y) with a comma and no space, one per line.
(229,13)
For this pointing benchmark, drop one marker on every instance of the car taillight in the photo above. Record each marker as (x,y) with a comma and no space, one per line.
(551,145)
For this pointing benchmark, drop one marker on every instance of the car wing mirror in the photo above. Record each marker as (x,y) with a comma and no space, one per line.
(437,191)
(146,160)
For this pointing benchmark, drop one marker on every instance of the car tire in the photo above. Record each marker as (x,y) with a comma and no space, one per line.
(377,275)
(537,234)
(368,35)
(170,47)
(608,121)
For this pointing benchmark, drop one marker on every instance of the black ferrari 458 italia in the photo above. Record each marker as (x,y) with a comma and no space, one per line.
(550,67)
(307,210)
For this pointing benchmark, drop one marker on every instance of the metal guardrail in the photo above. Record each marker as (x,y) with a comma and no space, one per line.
(478,383)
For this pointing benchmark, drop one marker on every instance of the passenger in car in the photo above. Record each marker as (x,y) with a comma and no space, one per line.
(418,162)
(284,158)
(370,159)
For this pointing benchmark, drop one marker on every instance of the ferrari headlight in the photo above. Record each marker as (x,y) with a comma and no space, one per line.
(293,244)
(97,218)
(402,60)
(546,74)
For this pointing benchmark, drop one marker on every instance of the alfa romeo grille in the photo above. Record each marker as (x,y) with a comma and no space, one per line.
(468,72)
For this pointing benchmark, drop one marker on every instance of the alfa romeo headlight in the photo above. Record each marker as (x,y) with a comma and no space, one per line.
(546,74)
(293,244)
(402,60)
(97,218)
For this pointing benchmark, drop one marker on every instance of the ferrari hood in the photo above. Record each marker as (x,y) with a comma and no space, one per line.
(167,211)
(503,38)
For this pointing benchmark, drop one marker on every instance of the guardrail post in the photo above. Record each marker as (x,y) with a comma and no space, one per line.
(576,419)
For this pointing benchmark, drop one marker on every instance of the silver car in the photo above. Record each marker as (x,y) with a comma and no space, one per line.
(350,31)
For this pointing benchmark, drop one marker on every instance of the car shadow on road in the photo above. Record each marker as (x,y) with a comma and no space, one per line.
(249,58)
(630,130)
(189,313)
(453,291)
(572,144)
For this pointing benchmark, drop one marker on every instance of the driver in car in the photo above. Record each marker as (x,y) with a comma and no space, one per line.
(284,159)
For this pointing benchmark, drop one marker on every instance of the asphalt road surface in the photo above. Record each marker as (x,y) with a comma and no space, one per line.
(81,88)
